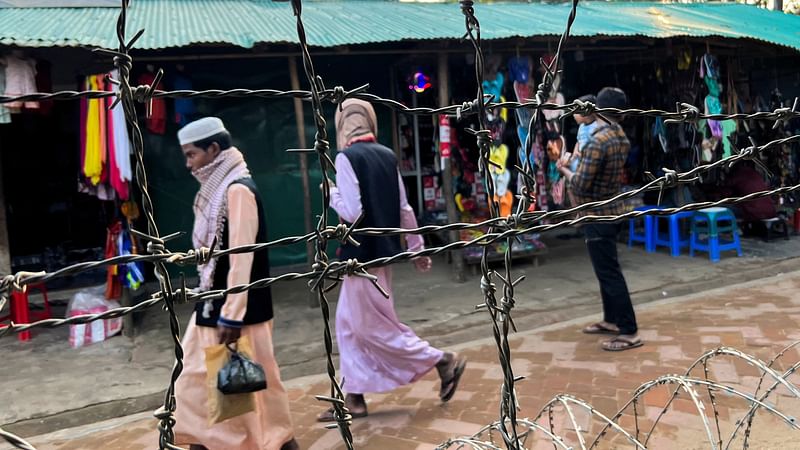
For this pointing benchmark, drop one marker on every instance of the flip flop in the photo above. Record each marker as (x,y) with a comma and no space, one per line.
(327,416)
(449,388)
(599,328)
(627,344)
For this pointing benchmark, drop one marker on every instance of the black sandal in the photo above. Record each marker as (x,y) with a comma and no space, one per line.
(448,388)
(619,344)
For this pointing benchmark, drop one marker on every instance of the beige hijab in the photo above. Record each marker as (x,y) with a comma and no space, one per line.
(355,120)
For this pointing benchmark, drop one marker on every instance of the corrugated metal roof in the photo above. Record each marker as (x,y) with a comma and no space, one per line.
(244,23)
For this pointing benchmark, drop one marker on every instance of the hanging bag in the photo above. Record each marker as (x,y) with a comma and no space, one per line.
(240,375)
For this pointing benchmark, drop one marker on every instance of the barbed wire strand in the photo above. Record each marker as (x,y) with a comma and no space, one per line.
(508,400)
(499,228)
(683,113)
(156,245)
(341,415)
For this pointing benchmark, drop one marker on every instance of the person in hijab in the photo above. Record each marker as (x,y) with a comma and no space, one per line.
(377,352)
(228,210)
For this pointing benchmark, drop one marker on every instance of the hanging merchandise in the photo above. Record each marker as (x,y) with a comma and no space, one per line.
(494,87)
(131,275)
(113,285)
(117,135)
(94,157)
(444,139)
(5,113)
(104,143)
(156,116)
(184,107)
(20,75)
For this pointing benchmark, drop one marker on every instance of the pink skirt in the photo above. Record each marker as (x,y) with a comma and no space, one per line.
(377,352)
(267,428)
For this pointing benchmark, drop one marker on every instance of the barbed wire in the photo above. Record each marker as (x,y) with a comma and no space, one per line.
(341,415)
(325,275)
(684,112)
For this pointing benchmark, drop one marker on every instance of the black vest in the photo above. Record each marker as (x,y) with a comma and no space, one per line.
(259,301)
(375,167)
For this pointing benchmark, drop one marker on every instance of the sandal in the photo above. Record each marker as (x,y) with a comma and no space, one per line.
(327,416)
(449,386)
(599,328)
(620,343)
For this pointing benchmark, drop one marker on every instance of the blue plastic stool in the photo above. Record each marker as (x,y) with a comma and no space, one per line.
(673,238)
(647,235)
(712,222)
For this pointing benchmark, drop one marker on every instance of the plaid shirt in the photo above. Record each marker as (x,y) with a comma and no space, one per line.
(599,175)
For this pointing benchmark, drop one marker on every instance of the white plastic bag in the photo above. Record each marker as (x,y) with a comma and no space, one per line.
(92,301)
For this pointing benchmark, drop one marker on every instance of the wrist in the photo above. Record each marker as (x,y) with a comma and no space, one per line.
(229,323)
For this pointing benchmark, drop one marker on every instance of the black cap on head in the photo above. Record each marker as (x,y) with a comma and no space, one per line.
(588,98)
(611,97)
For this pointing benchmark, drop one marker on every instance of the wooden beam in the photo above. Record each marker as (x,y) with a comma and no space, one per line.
(301,142)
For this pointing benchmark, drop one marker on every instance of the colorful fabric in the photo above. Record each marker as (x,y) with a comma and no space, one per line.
(157,119)
(122,143)
(93,162)
(601,170)
(184,107)
(210,204)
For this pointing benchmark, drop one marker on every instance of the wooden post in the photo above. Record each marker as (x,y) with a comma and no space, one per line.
(301,142)
(5,249)
(127,320)
(457,256)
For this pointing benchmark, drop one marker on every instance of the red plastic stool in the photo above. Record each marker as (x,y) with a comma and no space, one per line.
(19,310)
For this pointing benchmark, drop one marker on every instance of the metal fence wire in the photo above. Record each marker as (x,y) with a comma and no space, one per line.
(497,287)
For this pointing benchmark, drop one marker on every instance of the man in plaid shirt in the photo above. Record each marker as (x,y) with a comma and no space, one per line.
(599,177)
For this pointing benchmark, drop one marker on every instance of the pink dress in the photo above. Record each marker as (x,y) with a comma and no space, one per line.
(378,353)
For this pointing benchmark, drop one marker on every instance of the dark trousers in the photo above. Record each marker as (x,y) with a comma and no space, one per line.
(601,241)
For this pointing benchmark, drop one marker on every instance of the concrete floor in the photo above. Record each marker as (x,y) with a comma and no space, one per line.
(49,386)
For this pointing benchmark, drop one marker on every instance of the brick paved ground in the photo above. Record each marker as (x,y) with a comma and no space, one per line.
(758,318)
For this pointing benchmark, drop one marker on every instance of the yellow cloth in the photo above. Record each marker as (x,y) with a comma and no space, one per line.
(93,163)
(499,156)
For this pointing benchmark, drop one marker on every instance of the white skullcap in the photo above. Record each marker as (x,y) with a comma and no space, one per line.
(200,129)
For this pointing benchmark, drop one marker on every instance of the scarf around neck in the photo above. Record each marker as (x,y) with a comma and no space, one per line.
(211,205)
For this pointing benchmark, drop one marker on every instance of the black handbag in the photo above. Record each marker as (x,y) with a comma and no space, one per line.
(241,375)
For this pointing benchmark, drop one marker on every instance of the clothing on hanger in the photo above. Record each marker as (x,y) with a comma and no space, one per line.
(157,119)
(20,80)
(5,113)
(184,107)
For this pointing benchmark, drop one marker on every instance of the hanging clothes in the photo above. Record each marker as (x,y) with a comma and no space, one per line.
(5,113)
(116,179)
(113,285)
(20,80)
(184,107)
(93,158)
(157,120)
(122,142)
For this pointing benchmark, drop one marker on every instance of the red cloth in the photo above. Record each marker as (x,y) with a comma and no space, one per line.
(84,110)
(113,284)
(157,122)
